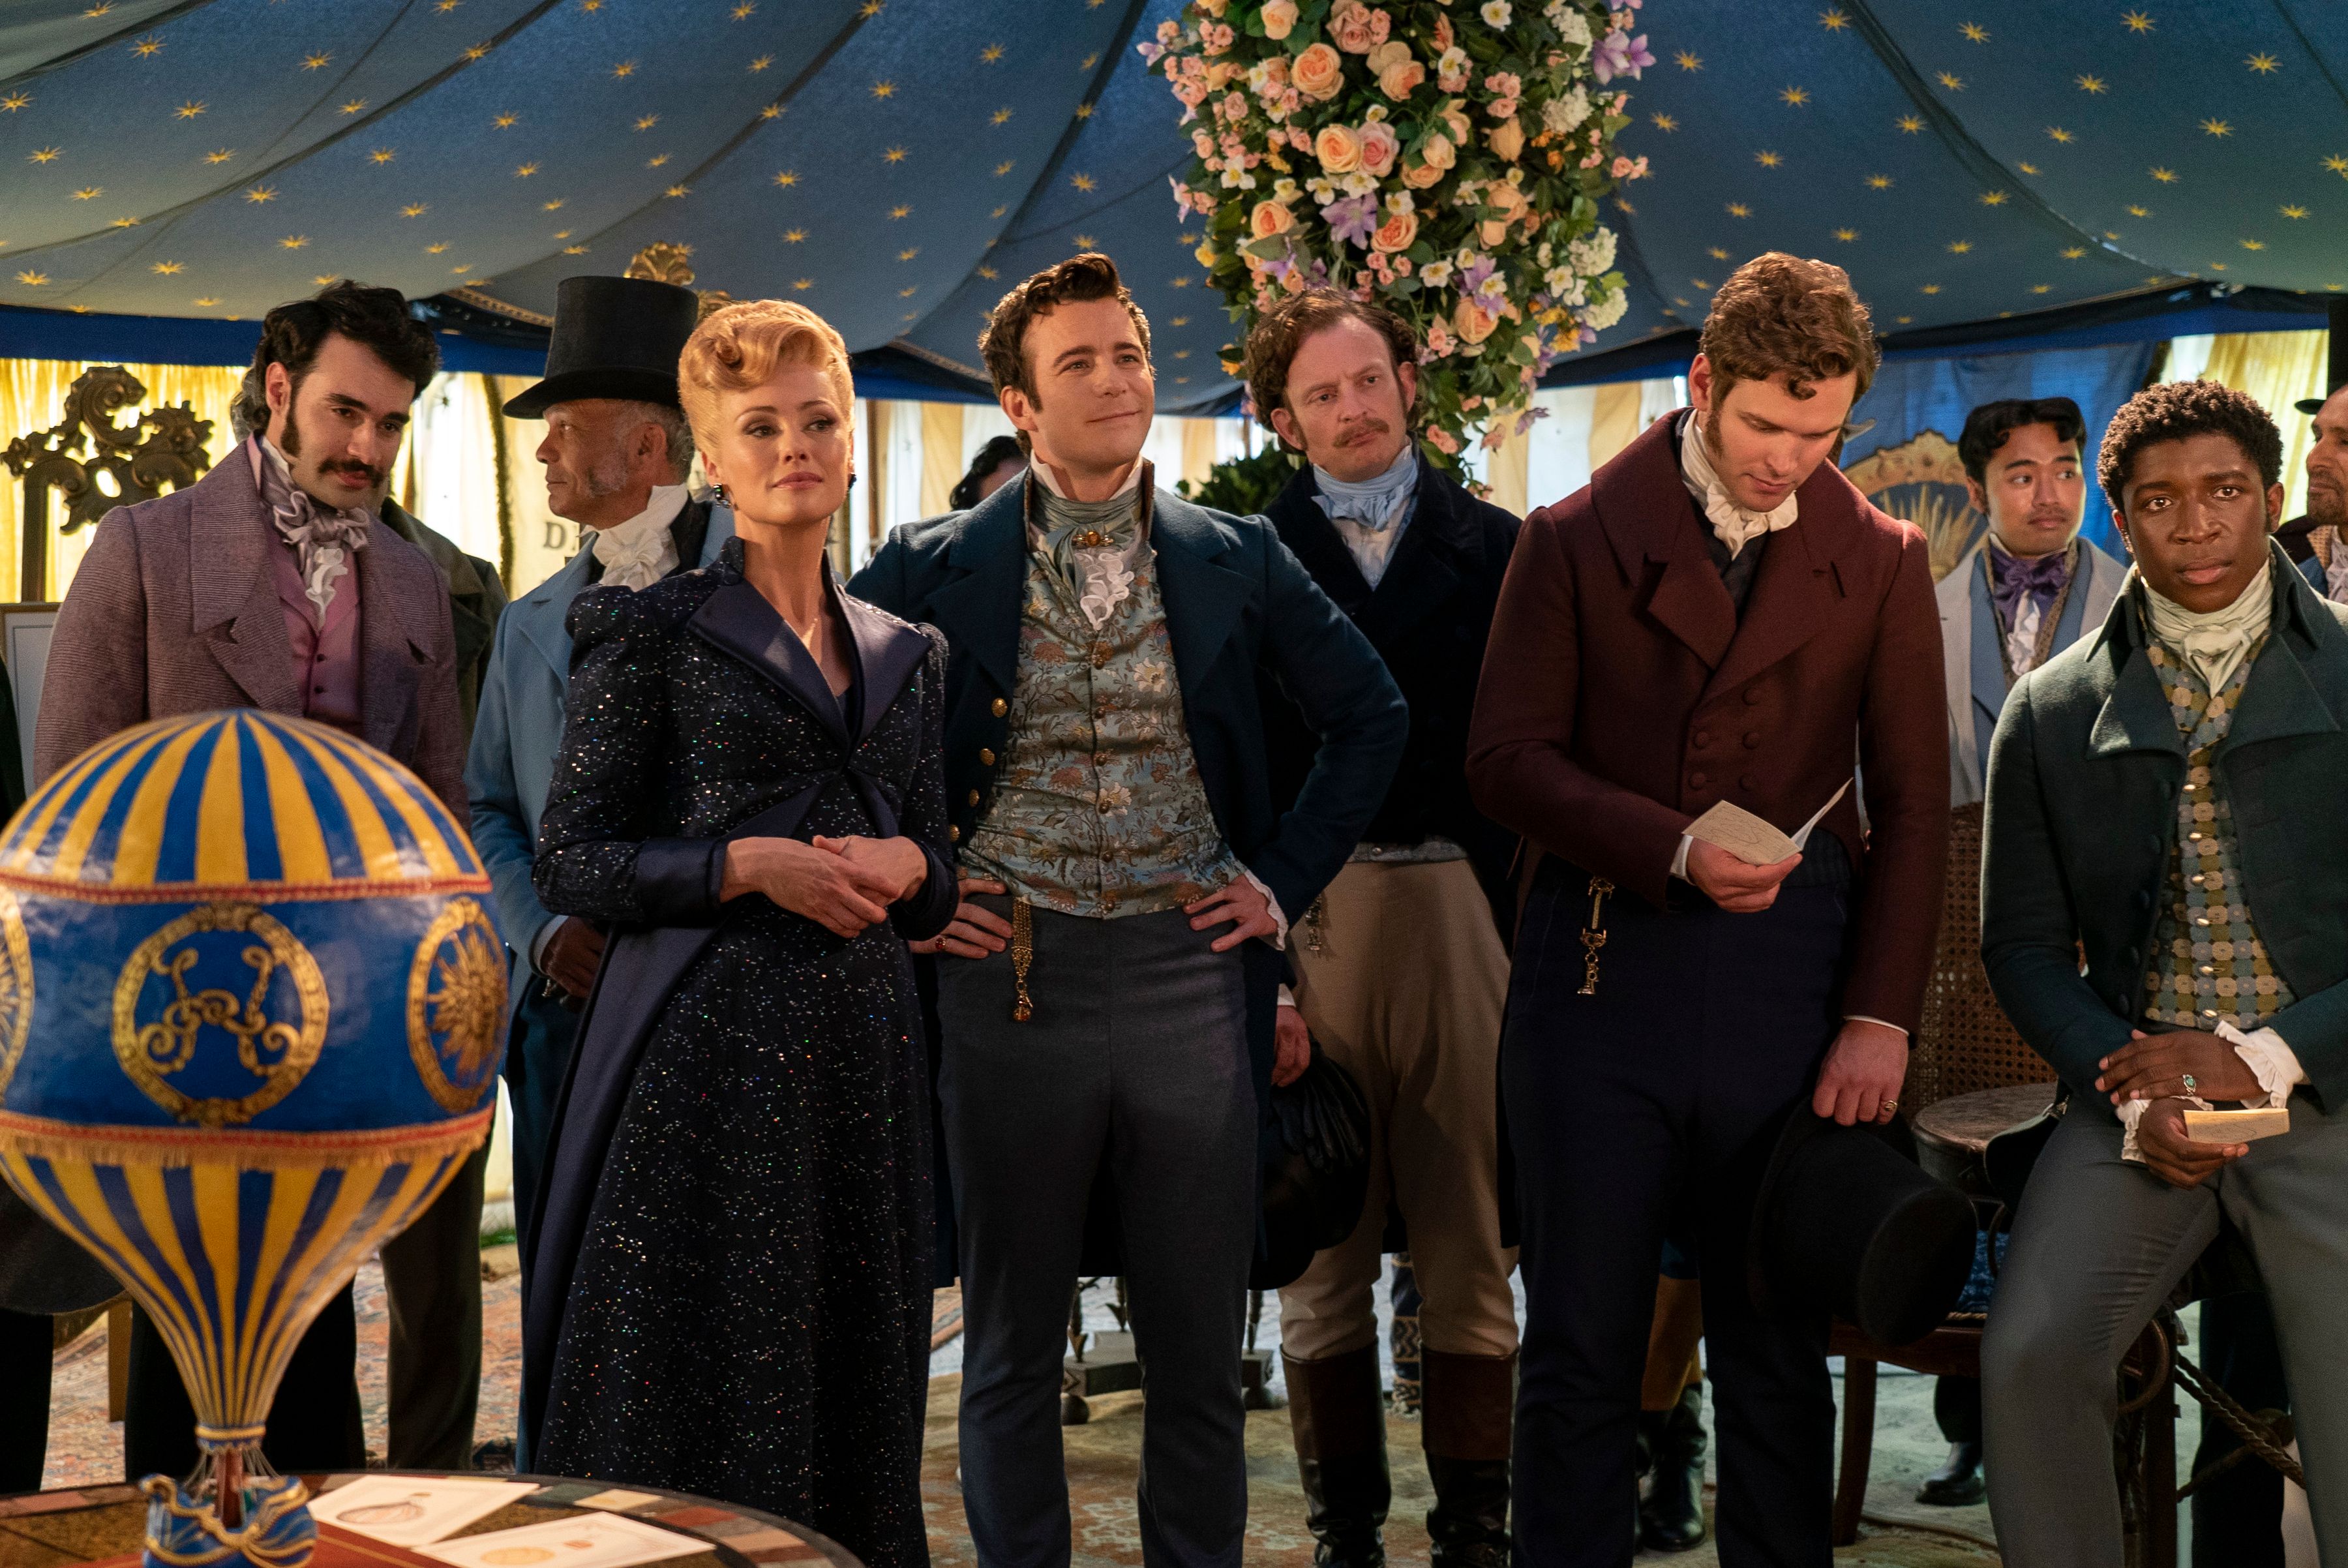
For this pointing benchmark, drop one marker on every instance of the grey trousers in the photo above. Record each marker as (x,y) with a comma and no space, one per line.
(2098,1245)
(1136,1052)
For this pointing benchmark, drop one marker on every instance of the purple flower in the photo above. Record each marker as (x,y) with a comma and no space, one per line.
(1620,55)
(1471,280)
(1354,218)
(1150,52)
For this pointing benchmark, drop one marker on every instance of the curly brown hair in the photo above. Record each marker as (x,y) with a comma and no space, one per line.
(1003,343)
(1271,347)
(1782,315)
(2176,409)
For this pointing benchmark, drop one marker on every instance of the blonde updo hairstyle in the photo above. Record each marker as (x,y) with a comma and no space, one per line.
(739,347)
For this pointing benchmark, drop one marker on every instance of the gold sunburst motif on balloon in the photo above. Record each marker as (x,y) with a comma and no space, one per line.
(455,991)
(1922,481)
(15,986)
(155,1047)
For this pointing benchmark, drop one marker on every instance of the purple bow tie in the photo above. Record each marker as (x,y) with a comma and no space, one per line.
(2040,576)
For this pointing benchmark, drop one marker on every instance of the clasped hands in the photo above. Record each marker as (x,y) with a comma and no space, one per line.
(2153,1067)
(842,884)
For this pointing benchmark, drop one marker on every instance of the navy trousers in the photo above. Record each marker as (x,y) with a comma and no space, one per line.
(1647,1109)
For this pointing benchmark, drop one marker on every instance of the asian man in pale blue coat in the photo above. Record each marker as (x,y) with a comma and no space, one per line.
(617,451)
(2027,590)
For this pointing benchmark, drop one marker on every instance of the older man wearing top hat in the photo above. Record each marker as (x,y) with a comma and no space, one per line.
(617,451)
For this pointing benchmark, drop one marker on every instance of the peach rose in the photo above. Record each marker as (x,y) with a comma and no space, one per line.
(1421,176)
(1398,75)
(1444,37)
(1440,152)
(1339,149)
(1357,27)
(1271,218)
(1456,122)
(1395,233)
(1380,144)
(1507,138)
(1319,73)
(1279,18)
(1472,321)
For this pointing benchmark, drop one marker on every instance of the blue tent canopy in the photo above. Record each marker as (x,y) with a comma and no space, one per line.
(2000,168)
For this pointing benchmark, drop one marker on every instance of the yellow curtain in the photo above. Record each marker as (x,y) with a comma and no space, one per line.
(1614,421)
(32,399)
(2278,369)
(940,456)
(542,541)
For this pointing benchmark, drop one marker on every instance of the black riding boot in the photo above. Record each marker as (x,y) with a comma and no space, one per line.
(1670,1517)
(1337,1406)
(1470,1402)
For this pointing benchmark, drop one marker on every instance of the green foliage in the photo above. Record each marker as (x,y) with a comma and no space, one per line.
(1243,486)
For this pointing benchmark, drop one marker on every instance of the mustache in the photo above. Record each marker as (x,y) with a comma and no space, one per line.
(1363,431)
(366,472)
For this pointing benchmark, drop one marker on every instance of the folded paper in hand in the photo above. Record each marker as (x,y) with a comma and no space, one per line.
(1750,838)
(2236,1126)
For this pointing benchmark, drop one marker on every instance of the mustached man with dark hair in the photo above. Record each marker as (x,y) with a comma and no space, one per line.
(1718,618)
(2165,918)
(1106,991)
(270,584)
(1400,968)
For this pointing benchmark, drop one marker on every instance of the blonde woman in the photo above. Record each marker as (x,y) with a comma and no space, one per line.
(731,1273)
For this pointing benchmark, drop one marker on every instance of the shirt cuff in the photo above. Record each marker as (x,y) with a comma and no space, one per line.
(545,934)
(1863,1018)
(2131,1111)
(1279,938)
(1679,856)
(2274,1063)
(1287,997)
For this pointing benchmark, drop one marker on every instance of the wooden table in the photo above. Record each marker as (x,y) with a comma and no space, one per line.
(1952,1133)
(107,1525)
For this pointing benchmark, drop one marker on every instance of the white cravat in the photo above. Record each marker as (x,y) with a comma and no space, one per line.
(2335,571)
(642,551)
(1731,523)
(2214,641)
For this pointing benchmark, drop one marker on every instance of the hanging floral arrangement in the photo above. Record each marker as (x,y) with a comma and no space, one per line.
(1445,160)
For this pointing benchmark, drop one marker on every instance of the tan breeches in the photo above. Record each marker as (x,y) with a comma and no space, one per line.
(1402,980)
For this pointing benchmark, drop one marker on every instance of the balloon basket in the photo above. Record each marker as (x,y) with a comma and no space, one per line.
(267,1523)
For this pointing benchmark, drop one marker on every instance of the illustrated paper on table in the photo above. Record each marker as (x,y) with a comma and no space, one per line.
(2236,1126)
(1751,838)
(414,1510)
(588,1541)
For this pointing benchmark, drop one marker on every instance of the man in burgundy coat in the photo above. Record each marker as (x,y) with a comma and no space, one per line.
(1719,616)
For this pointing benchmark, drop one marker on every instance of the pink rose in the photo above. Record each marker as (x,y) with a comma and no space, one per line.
(1271,218)
(1319,73)
(1217,36)
(1351,25)
(1444,38)
(1339,149)
(1380,144)
(1472,321)
(1202,142)
(1395,233)
(1279,18)
(1441,439)
(1191,91)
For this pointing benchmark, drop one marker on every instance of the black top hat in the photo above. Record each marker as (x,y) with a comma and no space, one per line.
(614,337)
(2335,370)
(1848,1222)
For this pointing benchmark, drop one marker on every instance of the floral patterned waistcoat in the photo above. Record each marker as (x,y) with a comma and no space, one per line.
(1098,809)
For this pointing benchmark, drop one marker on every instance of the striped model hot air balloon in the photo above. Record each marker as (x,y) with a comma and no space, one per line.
(251,1009)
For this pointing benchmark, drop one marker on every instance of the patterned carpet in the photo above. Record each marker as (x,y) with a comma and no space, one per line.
(1102,1454)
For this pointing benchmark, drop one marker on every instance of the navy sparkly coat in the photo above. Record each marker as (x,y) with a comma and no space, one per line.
(729,1284)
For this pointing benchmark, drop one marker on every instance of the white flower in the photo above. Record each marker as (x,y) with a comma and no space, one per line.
(1322,188)
(1452,62)
(1358,183)
(1559,280)
(1563,113)
(1546,254)
(1605,313)
(1435,275)
(1572,27)
(1593,252)
(1495,12)
(1400,202)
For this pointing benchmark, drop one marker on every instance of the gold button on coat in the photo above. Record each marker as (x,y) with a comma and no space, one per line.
(1000,708)
(953,835)
(973,796)
(985,758)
